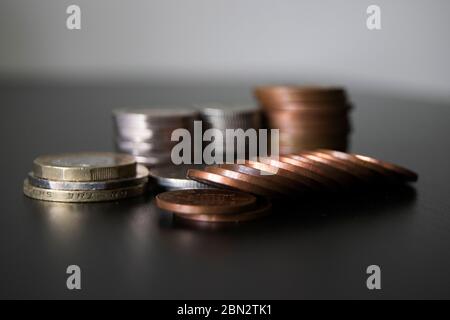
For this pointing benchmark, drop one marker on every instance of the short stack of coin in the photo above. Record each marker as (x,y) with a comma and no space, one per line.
(230,117)
(308,117)
(85,177)
(146,133)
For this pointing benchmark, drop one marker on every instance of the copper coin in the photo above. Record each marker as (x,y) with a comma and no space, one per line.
(347,170)
(299,93)
(286,149)
(360,171)
(381,172)
(320,173)
(401,172)
(301,174)
(262,209)
(299,183)
(321,167)
(279,182)
(205,201)
(271,189)
(221,181)
(307,109)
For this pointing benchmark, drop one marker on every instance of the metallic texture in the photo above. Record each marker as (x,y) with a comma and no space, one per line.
(84,166)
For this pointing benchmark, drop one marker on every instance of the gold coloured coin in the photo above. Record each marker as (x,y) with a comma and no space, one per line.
(85,166)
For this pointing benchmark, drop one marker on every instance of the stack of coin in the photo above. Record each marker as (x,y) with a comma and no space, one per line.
(304,173)
(173,177)
(85,177)
(308,117)
(146,133)
(230,117)
(213,205)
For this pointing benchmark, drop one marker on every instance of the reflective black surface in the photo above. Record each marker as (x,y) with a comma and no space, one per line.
(318,248)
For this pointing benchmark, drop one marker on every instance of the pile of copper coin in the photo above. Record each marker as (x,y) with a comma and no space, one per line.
(317,172)
(308,117)
(146,133)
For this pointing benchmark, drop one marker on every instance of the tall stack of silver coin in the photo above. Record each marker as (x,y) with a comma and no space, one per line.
(146,133)
(230,117)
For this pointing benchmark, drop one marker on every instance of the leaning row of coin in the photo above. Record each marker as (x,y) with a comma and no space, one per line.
(307,173)
(303,173)
(85,177)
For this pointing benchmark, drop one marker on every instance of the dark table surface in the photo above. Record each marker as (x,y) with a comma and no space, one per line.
(314,249)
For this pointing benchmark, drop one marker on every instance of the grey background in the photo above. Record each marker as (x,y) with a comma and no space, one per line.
(230,41)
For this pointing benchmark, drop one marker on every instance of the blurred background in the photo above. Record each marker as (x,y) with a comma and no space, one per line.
(229,43)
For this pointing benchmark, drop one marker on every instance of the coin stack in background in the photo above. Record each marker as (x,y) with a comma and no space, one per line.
(85,177)
(146,133)
(230,117)
(308,117)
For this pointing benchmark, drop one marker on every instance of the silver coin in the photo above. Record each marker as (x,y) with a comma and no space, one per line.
(140,178)
(173,177)
(155,160)
(142,148)
(154,117)
(231,110)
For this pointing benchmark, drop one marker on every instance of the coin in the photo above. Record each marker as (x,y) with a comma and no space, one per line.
(345,173)
(403,173)
(85,166)
(220,181)
(307,117)
(280,183)
(167,116)
(297,181)
(302,175)
(378,175)
(140,178)
(262,209)
(205,201)
(174,177)
(297,93)
(354,169)
(270,190)
(321,168)
(81,195)
(146,133)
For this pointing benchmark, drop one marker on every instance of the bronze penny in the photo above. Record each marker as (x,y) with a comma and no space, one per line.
(319,173)
(298,182)
(262,209)
(322,168)
(221,181)
(271,189)
(352,178)
(359,171)
(279,182)
(403,173)
(303,173)
(381,173)
(205,201)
